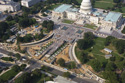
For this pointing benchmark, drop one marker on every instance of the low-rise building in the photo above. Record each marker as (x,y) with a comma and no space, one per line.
(28,3)
(112,19)
(108,56)
(9,5)
(60,79)
(107,50)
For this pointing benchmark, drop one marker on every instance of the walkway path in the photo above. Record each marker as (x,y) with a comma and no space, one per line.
(101,80)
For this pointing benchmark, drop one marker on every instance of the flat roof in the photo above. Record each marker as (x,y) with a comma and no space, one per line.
(73,9)
(62,8)
(112,16)
(79,31)
(106,49)
(61,79)
(64,28)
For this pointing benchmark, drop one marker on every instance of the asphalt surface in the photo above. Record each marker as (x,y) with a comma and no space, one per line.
(57,72)
(76,79)
(4,51)
(35,64)
(5,64)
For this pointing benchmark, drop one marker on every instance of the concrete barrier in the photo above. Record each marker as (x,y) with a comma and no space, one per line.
(37,42)
(101,80)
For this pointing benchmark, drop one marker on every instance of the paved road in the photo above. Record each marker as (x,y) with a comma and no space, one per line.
(57,72)
(5,64)
(114,33)
(4,51)
(35,64)
(79,80)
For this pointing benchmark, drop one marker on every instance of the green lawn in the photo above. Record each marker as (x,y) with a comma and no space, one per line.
(103,5)
(7,59)
(91,26)
(54,6)
(107,0)
(68,21)
(8,75)
(96,51)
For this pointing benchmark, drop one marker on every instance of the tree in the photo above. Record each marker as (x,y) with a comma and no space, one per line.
(123,76)
(44,24)
(81,44)
(36,73)
(96,65)
(39,36)
(48,24)
(120,45)
(112,58)
(72,65)
(61,62)
(16,68)
(110,76)
(116,1)
(25,78)
(3,28)
(108,40)
(66,74)
(16,0)
(9,18)
(23,66)
(18,56)
(123,31)
(119,58)
(84,43)
(26,22)
(120,64)
(87,42)
(45,68)
(110,66)
(25,39)
(89,36)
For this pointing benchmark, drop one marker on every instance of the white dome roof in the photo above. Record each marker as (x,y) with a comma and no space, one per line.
(86,1)
(85,7)
(51,82)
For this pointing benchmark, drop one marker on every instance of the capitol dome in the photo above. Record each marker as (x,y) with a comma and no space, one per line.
(85,7)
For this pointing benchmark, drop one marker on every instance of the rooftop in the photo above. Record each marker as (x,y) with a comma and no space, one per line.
(73,10)
(61,79)
(108,56)
(108,50)
(64,28)
(79,31)
(62,8)
(112,16)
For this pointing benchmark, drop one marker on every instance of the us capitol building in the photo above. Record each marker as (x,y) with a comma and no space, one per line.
(86,14)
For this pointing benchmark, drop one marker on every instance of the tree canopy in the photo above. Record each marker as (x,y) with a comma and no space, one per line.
(96,65)
(123,31)
(61,62)
(66,74)
(87,42)
(3,29)
(48,24)
(26,22)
